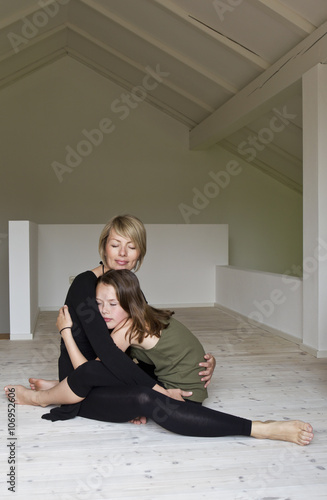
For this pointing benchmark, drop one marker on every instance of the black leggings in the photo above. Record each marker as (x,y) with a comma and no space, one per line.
(112,403)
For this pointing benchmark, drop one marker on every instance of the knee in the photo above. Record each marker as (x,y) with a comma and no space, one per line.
(88,368)
(144,396)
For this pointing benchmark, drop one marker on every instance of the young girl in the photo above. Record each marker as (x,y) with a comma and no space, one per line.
(151,332)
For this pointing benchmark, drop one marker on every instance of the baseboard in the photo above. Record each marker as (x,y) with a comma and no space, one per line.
(314,352)
(22,336)
(263,326)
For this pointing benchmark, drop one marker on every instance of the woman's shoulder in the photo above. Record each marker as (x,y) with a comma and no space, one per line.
(86,276)
(83,281)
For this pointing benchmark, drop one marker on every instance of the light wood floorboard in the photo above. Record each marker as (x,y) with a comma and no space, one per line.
(258,376)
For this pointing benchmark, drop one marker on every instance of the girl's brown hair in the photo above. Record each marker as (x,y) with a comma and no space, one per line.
(145,320)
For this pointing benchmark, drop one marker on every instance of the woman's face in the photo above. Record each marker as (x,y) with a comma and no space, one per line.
(109,307)
(121,253)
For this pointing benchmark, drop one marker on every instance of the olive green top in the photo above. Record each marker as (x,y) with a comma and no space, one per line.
(176,358)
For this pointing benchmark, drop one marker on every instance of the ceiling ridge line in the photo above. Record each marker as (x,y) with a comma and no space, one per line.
(228,87)
(138,66)
(74,54)
(30,68)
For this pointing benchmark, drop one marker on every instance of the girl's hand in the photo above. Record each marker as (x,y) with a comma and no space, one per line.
(64,320)
(173,393)
(178,394)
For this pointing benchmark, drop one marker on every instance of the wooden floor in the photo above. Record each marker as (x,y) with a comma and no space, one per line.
(258,376)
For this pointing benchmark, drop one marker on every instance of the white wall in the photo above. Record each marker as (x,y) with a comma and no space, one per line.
(273,300)
(179,268)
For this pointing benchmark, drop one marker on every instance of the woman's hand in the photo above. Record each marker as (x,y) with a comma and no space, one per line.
(209,366)
(64,320)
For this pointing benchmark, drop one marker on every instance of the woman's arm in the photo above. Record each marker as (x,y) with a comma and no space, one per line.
(64,325)
(89,323)
(209,367)
(118,335)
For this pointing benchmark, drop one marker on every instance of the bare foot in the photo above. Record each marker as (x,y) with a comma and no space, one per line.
(20,395)
(40,384)
(138,421)
(293,431)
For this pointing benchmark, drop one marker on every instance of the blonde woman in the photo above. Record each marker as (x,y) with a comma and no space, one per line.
(122,245)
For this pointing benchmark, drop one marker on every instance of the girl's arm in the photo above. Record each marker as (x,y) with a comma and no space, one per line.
(64,323)
(88,321)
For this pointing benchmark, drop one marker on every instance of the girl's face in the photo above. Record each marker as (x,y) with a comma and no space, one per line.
(109,307)
(121,253)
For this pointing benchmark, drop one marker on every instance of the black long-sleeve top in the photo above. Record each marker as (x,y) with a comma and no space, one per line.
(92,336)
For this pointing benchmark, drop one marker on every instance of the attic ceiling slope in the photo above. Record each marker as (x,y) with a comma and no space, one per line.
(203,55)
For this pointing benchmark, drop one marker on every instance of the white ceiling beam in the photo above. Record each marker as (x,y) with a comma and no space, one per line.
(178,56)
(252,58)
(289,17)
(258,96)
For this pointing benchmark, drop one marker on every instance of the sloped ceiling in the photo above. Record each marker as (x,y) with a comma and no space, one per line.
(227,69)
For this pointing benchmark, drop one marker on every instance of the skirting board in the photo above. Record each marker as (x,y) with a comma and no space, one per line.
(310,350)
(267,328)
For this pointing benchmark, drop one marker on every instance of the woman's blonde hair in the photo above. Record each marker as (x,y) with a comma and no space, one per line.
(129,227)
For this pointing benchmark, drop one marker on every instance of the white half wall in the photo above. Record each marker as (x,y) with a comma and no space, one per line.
(272,300)
(178,270)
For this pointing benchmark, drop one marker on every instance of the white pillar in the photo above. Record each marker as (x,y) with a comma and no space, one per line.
(23,292)
(315,210)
